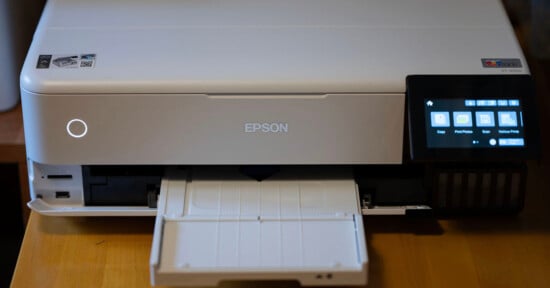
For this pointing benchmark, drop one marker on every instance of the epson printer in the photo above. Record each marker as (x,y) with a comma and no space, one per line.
(260,132)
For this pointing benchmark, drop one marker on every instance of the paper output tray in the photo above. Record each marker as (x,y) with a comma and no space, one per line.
(212,229)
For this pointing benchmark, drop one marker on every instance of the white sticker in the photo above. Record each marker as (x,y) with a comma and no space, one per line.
(73,61)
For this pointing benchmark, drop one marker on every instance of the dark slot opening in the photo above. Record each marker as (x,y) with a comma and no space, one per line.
(60,176)
(62,194)
(121,185)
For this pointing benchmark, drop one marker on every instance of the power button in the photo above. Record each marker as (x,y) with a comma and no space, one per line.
(77,128)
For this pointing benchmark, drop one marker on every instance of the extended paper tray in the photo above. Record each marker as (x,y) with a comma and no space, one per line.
(210,230)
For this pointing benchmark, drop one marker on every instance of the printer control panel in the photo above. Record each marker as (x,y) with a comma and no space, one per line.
(471,123)
(458,117)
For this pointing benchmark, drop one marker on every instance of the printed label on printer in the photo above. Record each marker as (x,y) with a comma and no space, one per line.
(63,61)
(266,127)
(43,61)
(501,62)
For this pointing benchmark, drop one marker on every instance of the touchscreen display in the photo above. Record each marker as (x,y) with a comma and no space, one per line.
(474,123)
(472,118)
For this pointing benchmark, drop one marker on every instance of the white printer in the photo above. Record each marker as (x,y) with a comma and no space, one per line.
(259,132)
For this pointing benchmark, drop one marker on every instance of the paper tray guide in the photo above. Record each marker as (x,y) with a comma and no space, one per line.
(210,229)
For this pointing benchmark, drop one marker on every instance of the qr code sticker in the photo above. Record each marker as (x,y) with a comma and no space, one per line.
(86,63)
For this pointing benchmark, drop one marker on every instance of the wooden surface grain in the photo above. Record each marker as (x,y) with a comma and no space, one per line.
(84,252)
(403,252)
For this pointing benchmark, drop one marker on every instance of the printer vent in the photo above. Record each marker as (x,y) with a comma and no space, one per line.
(479,189)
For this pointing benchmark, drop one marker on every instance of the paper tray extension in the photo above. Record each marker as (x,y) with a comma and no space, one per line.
(210,229)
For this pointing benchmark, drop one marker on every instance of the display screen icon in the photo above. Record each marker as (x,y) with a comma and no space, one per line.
(462,118)
(513,102)
(511,142)
(440,119)
(502,102)
(486,103)
(485,119)
(469,103)
(507,119)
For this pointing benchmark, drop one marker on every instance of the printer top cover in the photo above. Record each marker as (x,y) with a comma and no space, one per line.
(243,46)
(247,82)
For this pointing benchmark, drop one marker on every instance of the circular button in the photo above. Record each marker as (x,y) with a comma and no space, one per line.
(77,128)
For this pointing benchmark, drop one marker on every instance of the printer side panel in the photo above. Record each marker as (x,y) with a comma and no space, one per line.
(194,129)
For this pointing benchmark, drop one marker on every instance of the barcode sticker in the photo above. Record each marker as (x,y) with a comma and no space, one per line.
(86,63)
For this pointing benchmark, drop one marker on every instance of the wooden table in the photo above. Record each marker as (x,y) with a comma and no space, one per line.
(403,252)
(12,150)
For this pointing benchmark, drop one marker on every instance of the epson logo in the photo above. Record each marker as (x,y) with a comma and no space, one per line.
(266,127)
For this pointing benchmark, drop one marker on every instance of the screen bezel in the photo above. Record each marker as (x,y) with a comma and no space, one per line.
(422,87)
